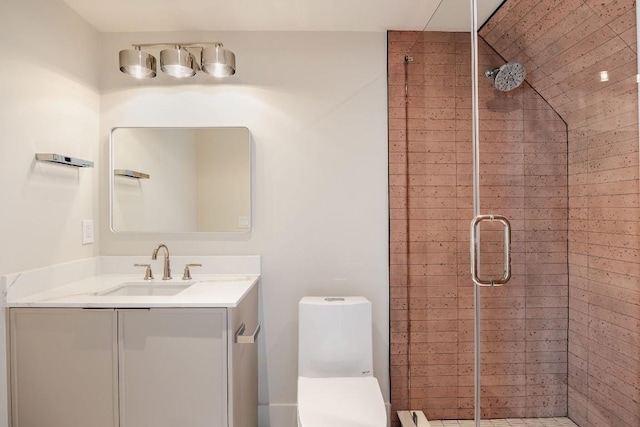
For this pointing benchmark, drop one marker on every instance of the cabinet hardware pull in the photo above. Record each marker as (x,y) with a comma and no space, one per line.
(239,338)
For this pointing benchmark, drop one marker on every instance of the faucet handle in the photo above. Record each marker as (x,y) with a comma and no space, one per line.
(187,273)
(148,275)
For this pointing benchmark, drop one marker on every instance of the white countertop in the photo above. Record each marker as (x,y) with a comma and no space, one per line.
(207,290)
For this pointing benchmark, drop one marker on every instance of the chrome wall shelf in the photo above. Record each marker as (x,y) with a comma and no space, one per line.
(63,160)
(130,174)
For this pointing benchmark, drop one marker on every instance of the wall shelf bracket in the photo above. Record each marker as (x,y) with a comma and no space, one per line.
(63,160)
(130,173)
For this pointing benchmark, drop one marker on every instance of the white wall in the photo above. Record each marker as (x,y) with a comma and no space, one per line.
(315,104)
(50,103)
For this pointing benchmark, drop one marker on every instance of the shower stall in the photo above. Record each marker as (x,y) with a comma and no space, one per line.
(528,129)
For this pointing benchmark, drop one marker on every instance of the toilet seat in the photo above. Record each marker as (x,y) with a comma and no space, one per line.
(344,402)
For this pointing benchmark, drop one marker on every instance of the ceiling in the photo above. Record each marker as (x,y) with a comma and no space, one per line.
(279,15)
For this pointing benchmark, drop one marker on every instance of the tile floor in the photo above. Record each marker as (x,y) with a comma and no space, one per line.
(523,422)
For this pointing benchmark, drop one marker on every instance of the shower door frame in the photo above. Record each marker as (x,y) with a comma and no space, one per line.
(475,142)
(474,237)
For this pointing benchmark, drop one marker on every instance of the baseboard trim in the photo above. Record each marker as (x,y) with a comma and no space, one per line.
(278,415)
(286,415)
(407,419)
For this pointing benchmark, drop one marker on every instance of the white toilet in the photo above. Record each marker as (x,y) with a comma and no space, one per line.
(336,386)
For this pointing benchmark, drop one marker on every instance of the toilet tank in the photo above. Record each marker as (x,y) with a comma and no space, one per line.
(334,337)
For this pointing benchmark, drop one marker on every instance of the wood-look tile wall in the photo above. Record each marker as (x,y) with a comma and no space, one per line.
(524,177)
(565,47)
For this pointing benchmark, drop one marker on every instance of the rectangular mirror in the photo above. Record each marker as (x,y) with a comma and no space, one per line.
(180,180)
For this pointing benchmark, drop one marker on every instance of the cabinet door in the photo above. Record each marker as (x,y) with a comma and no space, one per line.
(173,368)
(62,367)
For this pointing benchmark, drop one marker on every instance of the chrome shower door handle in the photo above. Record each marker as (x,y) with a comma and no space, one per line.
(475,249)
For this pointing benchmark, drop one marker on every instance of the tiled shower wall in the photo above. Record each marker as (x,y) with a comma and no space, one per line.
(564,45)
(524,177)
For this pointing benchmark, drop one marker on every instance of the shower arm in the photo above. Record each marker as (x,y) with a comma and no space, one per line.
(492,72)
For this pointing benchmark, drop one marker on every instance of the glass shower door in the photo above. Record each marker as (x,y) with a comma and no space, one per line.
(444,365)
(518,238)
(479,275)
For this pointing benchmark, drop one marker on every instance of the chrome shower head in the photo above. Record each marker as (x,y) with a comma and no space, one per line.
(507,77)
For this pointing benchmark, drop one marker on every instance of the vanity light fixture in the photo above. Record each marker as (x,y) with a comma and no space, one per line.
(178,60)
(137,63)
(218,61)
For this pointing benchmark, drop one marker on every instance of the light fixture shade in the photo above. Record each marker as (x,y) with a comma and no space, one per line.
(137,63)
(178,62)
(218,61)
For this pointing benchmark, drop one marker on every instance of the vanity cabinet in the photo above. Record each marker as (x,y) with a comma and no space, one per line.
(142,367)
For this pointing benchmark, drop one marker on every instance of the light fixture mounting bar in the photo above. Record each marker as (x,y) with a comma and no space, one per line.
(172,44)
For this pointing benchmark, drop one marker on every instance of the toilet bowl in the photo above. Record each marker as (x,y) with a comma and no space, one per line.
(336,386)
(344,402)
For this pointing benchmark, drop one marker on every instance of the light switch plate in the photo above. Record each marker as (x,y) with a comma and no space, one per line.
(87,231)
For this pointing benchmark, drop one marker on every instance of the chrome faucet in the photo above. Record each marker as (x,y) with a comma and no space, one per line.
(167,265)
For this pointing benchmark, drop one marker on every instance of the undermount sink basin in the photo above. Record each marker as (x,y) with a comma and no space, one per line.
(138,289)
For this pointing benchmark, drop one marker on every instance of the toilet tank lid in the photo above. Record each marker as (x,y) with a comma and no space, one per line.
(334,300)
